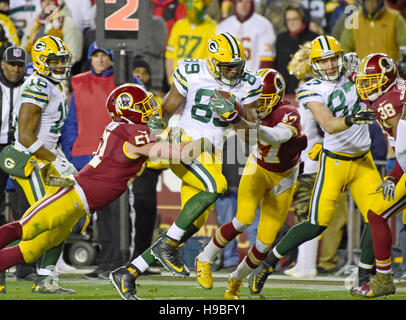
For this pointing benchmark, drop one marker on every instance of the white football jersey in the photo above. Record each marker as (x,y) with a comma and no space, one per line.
(342,99)
(194,81)
(51,98)
(257,36)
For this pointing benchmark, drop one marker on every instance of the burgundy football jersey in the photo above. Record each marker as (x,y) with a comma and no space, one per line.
(111,171)
(390,104)
(279,158)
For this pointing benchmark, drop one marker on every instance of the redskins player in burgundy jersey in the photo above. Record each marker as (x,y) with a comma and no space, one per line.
(268,179)
(121,156)
(379,84)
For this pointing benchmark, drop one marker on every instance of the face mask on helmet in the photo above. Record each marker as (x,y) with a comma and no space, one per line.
(226,59)
(51,58)
(377,74)
(131,103)
(327,58)
(273,91)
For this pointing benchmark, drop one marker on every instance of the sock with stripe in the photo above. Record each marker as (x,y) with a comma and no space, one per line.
(382,241)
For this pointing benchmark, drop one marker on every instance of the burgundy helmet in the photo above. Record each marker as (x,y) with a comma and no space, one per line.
(272,92)
(132,103)
(377,74)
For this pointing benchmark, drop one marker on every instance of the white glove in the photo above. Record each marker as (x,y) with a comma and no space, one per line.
(388,187)
(64,167)
(352,63)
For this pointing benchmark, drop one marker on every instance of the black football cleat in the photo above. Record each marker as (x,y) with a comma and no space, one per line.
(123,279)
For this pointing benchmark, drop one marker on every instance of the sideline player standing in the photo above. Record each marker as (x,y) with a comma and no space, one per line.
(39,115)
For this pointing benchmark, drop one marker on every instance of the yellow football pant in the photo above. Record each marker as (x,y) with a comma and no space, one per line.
(334,175)
(273,191)
(387,208)
(49,222)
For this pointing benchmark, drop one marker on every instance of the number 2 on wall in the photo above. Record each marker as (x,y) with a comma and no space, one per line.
(119,20)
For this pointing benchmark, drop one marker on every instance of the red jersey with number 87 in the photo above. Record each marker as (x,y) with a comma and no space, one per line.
(111,170)
(279,157)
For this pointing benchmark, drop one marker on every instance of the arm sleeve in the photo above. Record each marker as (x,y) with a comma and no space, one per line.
(277,134)
(400,144)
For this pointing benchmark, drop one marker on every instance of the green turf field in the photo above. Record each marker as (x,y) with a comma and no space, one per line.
(172,288)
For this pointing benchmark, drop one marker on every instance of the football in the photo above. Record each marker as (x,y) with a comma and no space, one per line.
(237,105)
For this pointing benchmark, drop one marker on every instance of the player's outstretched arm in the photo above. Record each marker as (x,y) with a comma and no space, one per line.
(175,152)
(331,124)
(400,144)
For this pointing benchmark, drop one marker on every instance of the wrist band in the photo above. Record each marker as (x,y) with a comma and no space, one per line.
(35,146)
(348,121)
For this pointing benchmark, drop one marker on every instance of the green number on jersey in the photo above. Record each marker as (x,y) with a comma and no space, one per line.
(342,104)
(201,112)
(63,111)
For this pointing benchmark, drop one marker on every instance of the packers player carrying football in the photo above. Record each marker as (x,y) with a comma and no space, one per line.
(195,82)
(344,159)
(268,179)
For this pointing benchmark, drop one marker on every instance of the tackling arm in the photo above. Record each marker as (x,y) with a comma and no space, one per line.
(175,152)
(277,134)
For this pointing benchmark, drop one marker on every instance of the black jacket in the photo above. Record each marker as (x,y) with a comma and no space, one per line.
(286,46)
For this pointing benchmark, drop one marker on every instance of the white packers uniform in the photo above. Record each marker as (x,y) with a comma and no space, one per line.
(345,159)
(257,35)
(51,98)
(194,81)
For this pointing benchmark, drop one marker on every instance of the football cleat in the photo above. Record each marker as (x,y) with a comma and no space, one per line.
(49,285)
(123,279)
(3,288)
(233,289)
(381,285)
(257,279)
(167,252)
(203,274)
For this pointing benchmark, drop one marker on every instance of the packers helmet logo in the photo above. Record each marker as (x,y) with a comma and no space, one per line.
(213,46)
(124,101)
(39,46)
(9,163)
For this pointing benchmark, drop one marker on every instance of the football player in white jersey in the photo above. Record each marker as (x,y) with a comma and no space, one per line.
(39,115)
(202,182)
(344,158)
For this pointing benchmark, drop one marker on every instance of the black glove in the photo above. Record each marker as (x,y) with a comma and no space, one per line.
(364,116)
